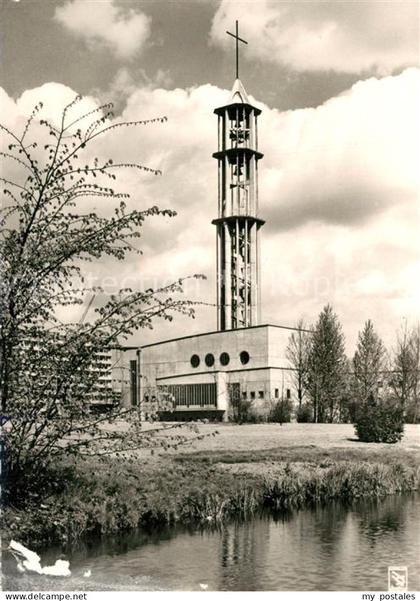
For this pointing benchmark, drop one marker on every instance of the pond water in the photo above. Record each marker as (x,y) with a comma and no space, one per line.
(334,547)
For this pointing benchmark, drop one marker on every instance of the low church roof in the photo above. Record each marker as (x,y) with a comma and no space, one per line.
(223,332)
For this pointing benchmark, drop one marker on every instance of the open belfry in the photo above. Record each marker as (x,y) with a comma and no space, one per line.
(207,373)
(238,273)
(238,224)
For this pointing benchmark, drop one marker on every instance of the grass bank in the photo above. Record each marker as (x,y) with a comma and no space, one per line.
(208,486)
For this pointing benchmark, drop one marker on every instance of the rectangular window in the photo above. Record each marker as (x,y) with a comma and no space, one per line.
(276,393)
(261,394)
(244,395)
(288,393)
(193,394)
(252,395)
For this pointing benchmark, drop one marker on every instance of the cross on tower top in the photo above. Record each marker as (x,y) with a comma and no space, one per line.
(237,39)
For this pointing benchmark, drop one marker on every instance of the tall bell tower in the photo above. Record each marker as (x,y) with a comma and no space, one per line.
(238,223)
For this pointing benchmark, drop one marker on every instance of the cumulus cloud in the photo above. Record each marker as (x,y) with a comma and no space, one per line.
(348,159)
(338,188)
(375,36)
(127,81)
(104,23)
(54,97)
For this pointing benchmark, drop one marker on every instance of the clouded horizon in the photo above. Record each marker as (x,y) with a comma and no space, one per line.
(339,87)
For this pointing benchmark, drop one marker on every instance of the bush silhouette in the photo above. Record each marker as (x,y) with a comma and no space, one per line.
(379,422)
(305,414)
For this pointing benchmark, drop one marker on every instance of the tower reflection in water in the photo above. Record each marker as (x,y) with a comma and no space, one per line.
(243,551)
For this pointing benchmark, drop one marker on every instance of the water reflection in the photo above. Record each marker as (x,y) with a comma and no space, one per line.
(243,550)
(331,547)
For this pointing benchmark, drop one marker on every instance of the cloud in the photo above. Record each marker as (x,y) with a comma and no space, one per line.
(338,189)
(54,97)
(352,37)
(125,32)
(127,81)
(347,160)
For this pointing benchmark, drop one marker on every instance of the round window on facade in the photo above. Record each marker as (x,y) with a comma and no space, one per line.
(244,357)
(195,360)
(209,360)
(224,359)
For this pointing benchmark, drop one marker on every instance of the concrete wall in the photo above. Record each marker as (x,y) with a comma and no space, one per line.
(264,378)
(173,357)
(278,339)
(266,375)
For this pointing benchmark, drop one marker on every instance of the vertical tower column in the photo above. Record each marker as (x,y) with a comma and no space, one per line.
(238,288)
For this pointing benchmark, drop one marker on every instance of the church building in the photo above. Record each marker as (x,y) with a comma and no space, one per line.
(242,359)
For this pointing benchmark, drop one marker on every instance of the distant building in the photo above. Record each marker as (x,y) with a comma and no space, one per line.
(124,369)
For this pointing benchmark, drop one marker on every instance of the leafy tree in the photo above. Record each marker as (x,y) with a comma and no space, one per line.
(49,233)
(297,354)
(368,363)
(406,367)
(347,404)
(413,409)
(326,367)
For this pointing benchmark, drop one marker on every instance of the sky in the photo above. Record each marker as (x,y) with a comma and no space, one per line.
(338,83)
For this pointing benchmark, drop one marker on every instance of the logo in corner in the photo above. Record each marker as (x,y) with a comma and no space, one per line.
(397,578)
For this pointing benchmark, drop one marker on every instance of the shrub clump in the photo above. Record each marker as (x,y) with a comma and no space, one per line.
(344,480)
(379,422)
(242,411)
(304,414)
(281,411)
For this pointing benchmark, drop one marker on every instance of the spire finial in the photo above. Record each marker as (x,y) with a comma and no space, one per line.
(237,39)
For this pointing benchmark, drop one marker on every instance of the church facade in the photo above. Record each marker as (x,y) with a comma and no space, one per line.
(209,372)
(206,373)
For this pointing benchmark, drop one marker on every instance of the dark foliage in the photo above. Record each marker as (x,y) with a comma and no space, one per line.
(304,414)
(241,409)
(281,411)
(379,422)
(368,363)
(327,364)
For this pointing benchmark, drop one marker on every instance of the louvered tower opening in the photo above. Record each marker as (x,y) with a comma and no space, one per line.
(238,222)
